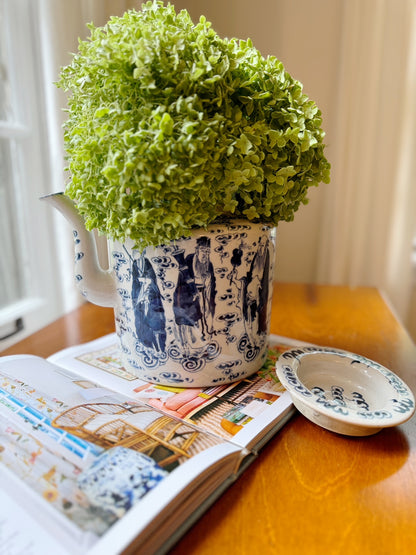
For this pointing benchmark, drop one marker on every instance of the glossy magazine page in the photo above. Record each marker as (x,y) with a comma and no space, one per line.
(242,412)
(77,459)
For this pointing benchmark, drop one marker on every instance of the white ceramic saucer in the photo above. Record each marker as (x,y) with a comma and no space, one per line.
(344,392)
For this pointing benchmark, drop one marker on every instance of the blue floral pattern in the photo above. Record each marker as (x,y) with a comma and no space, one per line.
(334,398)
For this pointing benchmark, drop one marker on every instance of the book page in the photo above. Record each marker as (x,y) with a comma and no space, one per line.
(241,412)
(16,539)
(80,457)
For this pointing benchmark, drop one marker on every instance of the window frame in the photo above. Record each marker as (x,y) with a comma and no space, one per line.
(41,300)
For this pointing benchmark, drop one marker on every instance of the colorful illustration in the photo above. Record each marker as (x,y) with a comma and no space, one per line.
(215,407)
(75,454)
(225,409)
(109,360)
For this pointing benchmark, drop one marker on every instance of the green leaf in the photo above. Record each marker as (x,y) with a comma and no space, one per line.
(166,124)
(243,144)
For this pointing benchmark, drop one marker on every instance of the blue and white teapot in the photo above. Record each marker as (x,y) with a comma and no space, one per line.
(192,313)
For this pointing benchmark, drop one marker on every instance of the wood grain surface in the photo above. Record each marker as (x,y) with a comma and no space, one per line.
(310,491)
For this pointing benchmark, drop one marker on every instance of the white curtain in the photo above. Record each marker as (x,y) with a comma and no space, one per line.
(370,213)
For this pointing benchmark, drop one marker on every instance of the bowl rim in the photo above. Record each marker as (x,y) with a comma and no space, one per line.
(397,410)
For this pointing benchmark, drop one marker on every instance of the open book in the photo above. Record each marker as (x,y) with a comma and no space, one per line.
(94,460)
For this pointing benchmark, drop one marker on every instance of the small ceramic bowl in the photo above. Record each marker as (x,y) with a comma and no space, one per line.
(344,392)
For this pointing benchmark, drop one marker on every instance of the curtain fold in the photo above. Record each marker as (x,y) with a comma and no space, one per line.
(370,210)
(400,282)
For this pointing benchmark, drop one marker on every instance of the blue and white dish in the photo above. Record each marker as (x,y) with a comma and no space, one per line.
(344,392)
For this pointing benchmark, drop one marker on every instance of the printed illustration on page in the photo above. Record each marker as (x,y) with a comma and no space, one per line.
(223,410)
(88,452)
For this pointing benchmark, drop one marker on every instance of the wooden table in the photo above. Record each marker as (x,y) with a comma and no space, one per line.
(310,491)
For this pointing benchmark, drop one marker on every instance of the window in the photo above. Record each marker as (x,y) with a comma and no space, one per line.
(29,288)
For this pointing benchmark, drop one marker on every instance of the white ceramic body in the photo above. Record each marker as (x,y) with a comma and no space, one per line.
(344,392)
(196,312)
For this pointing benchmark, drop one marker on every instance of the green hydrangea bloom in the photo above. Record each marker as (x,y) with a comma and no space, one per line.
(171,127)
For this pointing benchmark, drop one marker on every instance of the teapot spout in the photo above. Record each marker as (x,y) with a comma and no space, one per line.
(95,284)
